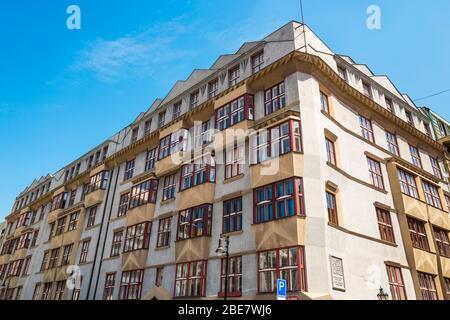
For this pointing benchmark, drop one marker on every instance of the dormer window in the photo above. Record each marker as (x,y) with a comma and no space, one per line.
(194,99)
(233,76)
(162,119)
(258,61)
(213,88)
(342,73)
(134,135)
(367,89)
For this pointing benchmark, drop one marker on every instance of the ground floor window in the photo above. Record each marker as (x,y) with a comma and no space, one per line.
(190,279)
(131,285)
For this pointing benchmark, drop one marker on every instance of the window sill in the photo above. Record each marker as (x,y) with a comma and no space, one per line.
(278,219)
(92,227)
(233,179)
(234,233)
(162,248)
(168,201)
(230,294)
(111,258)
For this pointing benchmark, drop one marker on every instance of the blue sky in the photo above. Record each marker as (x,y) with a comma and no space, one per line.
(63,92)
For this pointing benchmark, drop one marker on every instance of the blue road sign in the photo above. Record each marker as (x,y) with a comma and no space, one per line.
(281,289)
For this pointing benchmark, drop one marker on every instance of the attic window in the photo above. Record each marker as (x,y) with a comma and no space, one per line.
(233,76)
(258,61)
(213,88)
(342,73)
(367,89)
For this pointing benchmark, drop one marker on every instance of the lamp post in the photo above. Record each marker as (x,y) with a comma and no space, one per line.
(382,295)
(224,251)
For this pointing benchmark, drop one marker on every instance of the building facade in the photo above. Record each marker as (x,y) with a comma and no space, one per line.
(319,172)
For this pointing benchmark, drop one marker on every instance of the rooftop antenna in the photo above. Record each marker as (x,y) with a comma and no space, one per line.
(303,24)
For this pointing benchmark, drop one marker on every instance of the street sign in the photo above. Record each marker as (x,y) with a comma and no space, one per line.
(281,289)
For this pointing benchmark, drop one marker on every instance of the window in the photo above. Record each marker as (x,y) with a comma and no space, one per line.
(77,290)
(116,243)
(331,153)
(19,293)
(213,88)
(110,282)
(60,226)
(73,221)
(233,76)
(447,201)
(392,143)
(129,170)
(409,117)
(193,102)
(342,73)
(427,286)
(73,194)
(276,141)
(148,127)
(169,187)
(164,232)
(105,155)
(134,135)
(90,161)
(288,264)
(194,222)
(161,119)
(26,266)
(137,237)
(418,234)
(197,173)
(324,102)
(234,281)
(234,162)
(92,212)
(131,285)
(274,99)
(99,182)
(407,183)
(443,243)
(59,202)
(436,169)
(150,159)
(176,142)
(234,112)
(84,251)
(143,193)
(59,290)
(176,110)
(332,208)
(202,134)
(67,253)
(447,284)
(367,89)
(366,129)
(257,61)
(123,204)
(396,283)
(54,257)
(385,225)
(97,156)
(190,279)
(427,129)
(232,215)
(279,200)
(376,176)
(45,260)
(415,156)
(46,291)
(389,105)
(84,191)
(432,195)
(159,276)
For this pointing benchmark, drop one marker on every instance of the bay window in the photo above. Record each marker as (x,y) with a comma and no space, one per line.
(137,237)
(99,182)
(274,99)
(194,222)
(190,279)
(432,195)
(143,193)
(288,264)
(59,202)
(199,172)
(407,183)
(173,143)
(427,286)
(234,112)
(131,285)
(418,234)
(279,200)
(442,241)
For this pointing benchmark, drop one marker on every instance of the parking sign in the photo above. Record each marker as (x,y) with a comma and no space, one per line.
(281,289)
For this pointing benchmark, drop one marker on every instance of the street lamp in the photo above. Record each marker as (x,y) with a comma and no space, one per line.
(382,295)
(224,251)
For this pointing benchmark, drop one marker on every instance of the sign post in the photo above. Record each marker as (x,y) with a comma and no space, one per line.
(281,289)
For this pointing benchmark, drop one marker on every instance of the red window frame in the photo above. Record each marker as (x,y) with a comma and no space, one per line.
(199,172)
(234,161)
(175,142)
(164,232)
(116,244)
(131,285)
(392,143)
(137,237)
(232,215)
(408,183)
(267,200)
(268,142)
(110,283)
(333,217)
(98,182)
(169,187)
(191,220)
(331,152)
(375,172)
(427,286)
(418,234)
(415,156)
(442,241)
(186,273)
(432,196)
(385,225)
(235,112)
(366,129)
(143,193)
(436,169)
(396,283)
(272,270)
(234,276)
(274,98)
(124,201)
